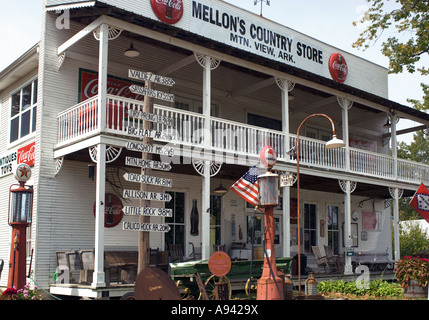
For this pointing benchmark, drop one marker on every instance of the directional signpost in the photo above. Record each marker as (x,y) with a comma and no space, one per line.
(145,211)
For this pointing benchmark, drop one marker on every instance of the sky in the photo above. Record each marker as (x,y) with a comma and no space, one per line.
(329,21)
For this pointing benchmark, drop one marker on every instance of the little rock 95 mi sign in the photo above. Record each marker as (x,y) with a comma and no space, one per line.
(168,11)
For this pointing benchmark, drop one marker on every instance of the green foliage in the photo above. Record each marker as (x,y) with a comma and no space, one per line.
(413,240)
(408,44)
(377,288)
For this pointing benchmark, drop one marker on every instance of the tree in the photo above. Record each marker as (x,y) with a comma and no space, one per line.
(410,18)
(413,240)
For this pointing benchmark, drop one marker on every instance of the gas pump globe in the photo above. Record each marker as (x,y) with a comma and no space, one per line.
(20,215)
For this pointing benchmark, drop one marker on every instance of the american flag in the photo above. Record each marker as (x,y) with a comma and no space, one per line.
(247,186)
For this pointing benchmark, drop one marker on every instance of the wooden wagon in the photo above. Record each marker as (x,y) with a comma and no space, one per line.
(242,275)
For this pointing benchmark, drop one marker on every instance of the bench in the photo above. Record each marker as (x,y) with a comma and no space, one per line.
(120,266)
(374,260)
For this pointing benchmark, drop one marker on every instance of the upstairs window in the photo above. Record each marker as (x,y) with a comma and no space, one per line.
(23,111)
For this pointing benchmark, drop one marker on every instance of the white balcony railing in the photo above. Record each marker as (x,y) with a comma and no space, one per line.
(81,121)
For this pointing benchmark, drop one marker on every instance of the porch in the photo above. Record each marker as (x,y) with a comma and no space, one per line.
(80,123)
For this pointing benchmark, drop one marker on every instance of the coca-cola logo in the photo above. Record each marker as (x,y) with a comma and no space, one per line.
(27,154)
(168,11)
(113,212)
(338,67)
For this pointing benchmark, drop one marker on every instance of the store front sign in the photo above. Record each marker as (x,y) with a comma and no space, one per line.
(338,67)
(238,29)
(10,159)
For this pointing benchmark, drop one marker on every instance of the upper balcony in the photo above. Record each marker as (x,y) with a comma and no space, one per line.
(81,122)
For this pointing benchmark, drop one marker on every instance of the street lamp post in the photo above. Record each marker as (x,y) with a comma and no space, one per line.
(20,213)
(334,143)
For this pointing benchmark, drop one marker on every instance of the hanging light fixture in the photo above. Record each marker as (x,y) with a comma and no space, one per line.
(334,143)
(221,189)
(131,52)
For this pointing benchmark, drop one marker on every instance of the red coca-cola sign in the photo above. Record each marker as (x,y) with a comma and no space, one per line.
(26,154)
(338,67)
(168,11)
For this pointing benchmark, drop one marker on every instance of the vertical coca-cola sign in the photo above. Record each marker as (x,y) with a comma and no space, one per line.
(168,11)
(26,154)
(338,67)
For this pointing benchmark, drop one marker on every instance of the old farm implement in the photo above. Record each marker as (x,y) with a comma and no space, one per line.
(242,275)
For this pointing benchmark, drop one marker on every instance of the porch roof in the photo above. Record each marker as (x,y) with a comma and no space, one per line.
(86,12)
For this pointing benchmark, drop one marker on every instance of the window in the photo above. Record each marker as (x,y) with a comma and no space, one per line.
(177,222)
(333,229)
(254,229)
(310,225)
(23,111)
(215,220)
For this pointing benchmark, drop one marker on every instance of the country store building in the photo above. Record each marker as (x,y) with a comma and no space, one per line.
(224,83)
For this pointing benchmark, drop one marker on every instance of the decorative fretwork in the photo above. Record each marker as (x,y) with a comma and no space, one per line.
(61,59)
(112,153)
(343,185)
(284,84)
(58,164)
(214,63)
(114,33)
(396,193)
(199,166)
(345,103)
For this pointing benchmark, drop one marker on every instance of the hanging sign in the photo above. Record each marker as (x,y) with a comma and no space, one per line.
(151,227)
(148,76)
(147,211)
(145,195)
(140,132)
(150,164)
(139,178)
(152,93)
(149,148)
(141,115)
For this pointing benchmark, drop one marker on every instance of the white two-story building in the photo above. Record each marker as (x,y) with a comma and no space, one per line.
(225,83)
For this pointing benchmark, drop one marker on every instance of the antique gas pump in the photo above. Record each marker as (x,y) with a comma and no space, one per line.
(20,214)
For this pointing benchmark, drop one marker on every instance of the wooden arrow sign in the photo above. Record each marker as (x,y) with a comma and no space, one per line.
(142,133)
(150,227)
(149,148)
(148,76)
(147,211)
(152,93)
(141,115)
(139,178)
(145,195)
(150,164)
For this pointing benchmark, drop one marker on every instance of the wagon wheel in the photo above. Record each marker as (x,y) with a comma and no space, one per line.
(210,285)
(251,285)
(187,293)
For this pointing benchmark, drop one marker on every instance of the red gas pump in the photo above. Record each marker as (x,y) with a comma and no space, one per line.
(20,214)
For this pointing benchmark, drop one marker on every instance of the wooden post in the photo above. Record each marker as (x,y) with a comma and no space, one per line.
(143,237)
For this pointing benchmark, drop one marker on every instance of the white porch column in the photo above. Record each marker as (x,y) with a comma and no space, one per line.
(98,276)
(396,194)
(208,65)
(393,142)
(347,187)
(285,87)
(346,104)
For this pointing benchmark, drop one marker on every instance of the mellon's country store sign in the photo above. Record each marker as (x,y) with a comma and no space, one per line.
(22,155)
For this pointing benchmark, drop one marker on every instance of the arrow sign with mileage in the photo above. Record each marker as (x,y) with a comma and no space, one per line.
(145,195)
(151,227)
(147,211)
(139,178)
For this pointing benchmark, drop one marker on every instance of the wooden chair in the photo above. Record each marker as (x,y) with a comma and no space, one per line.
(321,260)
(176,253)
(335,261)
(219,247)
